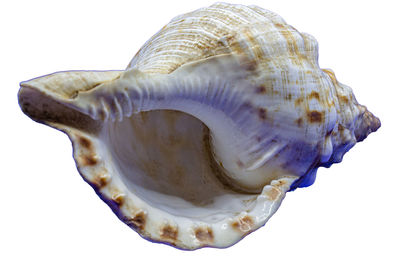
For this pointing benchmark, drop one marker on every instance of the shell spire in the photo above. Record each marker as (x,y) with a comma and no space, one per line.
(217,116)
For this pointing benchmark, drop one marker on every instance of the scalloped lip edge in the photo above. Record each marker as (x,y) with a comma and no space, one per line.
(168,230)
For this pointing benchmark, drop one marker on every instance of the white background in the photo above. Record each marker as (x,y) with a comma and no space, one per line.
(51,217)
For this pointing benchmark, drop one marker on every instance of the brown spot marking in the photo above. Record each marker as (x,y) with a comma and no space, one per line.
(298,101)
(85,142)
(243,224)
(118,199)
(343,99)
(340,128)
(289,97)
(273,193)
(315,116)
(204,235)
(313,94)
(279,183)
(261,89)
(100,181)
(299,122)
(138,221)
(169,232)
(262,113)
(89,160)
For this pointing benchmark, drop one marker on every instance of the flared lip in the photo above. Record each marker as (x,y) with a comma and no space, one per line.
(224,233)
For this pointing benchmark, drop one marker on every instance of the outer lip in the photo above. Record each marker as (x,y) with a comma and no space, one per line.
(236,227)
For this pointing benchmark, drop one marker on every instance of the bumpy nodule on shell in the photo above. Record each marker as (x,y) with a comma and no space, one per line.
(217,116)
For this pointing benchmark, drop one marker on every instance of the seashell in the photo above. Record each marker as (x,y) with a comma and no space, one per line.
(217,116)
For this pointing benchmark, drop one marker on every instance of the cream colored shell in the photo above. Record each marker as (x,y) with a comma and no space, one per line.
(216,117)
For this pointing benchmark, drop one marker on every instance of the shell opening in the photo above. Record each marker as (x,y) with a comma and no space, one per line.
(163,157)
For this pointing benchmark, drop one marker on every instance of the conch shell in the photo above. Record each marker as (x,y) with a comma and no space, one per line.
(217,116)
